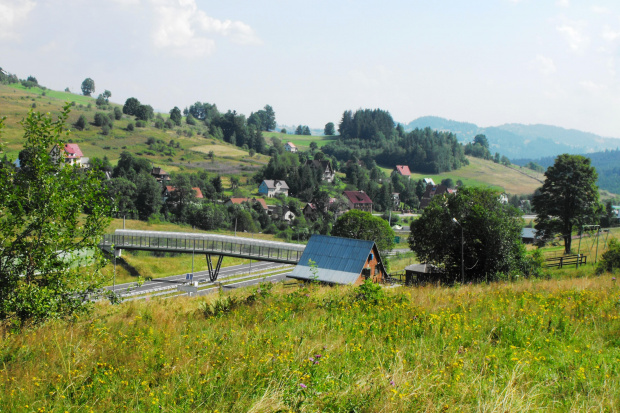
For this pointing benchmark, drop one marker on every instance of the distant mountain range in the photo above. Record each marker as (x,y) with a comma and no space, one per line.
(516,140)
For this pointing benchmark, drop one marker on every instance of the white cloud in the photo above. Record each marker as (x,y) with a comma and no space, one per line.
(600,10)
(562,3)
(13,12)
(574,35)
(609,34)
(183,28)
(591,86)
(544,65)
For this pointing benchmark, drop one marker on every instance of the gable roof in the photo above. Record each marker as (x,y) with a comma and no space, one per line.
(239,201)
(291,144)
(336,260)
(271,183)
(171,189)
(72,151)
(158,171)
(403,170)
(358,197)
(323,165)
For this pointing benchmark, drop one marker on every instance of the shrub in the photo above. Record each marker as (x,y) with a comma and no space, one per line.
(130,127)
(610,261)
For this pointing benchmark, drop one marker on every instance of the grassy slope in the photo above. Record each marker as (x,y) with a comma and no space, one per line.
(15,101)
(480,172)
(532,345)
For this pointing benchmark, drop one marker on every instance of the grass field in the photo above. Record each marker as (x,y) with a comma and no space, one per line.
(301,141)
(480,172)
(532,345)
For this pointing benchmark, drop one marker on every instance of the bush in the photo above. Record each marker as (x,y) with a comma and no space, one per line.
(130,127)
(140,124)
(610,261)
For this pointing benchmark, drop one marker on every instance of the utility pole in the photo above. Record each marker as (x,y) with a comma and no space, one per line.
(462,251)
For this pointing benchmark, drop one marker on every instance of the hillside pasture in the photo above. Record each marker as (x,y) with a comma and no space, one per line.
(480,172)
(301,141)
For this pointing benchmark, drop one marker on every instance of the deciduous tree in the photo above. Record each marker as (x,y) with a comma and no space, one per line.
(49,257)
(491,232)
(568,198)
(88,86)
(363,225)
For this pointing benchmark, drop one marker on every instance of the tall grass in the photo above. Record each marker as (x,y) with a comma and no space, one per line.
(532,345)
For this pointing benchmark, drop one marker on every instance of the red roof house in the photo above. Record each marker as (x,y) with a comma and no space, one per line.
(358,200)
(403,170)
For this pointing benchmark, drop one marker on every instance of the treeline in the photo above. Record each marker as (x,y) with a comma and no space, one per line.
(371,134)
(607,164)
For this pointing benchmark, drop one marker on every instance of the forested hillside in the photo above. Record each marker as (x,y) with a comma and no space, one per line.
(607,166)
(372,135)
(521,141)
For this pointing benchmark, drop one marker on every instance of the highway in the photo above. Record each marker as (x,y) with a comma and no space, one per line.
(200,276)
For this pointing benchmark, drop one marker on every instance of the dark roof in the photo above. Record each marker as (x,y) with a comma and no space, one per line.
(338,260)
(358,197)
(322,165)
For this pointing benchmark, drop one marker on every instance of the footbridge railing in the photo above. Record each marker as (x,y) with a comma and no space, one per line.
(209,244)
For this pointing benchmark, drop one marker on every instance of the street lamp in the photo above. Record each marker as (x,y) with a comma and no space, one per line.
(462,251)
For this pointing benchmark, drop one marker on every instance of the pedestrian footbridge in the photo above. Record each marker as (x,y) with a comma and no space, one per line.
(208,244)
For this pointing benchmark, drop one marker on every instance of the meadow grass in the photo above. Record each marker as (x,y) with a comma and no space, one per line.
(524,346)
(479,172)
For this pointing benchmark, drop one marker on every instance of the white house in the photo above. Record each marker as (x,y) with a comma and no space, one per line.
(272,188)
(72,155)
(290,147)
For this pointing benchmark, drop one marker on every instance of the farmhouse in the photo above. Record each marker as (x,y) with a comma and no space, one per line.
(251,201)
(161,175)
(271,188)
(358,200)
(72,153)
(325,167)
(432,191)
(403,170)
(168,190)
(290,147)
(336,260)
(420,273)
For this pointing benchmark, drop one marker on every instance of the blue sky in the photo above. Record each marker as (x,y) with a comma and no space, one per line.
(488,61)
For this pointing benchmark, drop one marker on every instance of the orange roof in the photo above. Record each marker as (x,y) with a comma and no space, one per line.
(198,191)
(242,200)
(73,151)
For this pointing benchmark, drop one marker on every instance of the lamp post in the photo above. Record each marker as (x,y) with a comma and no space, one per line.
(462,251)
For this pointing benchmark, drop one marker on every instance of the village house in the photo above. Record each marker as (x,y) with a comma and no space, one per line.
(271,188)
(161,175)
(432,191)
(325,167)
(395,200)
(403,170)
(358,200)
(335,260)
(168,190)
(72,153)
(290,147)
(251,201)
(428,181)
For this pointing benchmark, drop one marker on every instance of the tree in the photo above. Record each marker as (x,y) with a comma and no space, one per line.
(88,86)
(131,106)
(144,112)
(118,113)
(175,116)
(107,95)
(568,198)
(329,129)
(46,230)
(81,122)
(363,225)
(491,233)
(481,140)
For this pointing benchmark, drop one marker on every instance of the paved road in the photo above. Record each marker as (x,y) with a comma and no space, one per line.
(198,276)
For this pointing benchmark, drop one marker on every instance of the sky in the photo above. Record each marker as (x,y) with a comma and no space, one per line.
(487,62)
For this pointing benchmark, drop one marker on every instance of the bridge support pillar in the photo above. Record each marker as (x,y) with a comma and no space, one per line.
(213,273)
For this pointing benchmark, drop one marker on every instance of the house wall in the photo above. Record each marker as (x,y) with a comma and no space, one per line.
(376,274)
